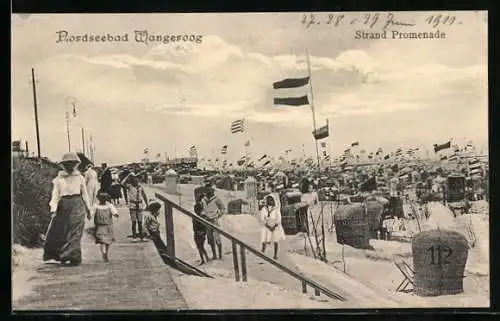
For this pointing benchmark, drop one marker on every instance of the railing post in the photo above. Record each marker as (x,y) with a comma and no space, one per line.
(243,263)
(304,287)
(235,263)
(316,292)
(169,226)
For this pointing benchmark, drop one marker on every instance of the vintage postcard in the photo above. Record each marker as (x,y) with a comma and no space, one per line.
(320,160)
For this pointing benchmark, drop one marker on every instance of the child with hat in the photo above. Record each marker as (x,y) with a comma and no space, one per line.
(151,223)
(103,220)
(138,201)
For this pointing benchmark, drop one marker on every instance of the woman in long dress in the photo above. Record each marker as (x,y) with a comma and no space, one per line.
(68,207)
(92,183)
(272,230)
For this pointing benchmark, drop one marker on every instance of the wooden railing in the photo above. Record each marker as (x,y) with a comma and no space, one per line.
(169,206)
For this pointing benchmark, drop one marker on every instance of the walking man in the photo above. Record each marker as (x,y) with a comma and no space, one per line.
(106,179)
(123,176)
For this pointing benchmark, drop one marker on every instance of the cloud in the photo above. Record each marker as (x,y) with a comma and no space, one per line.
(216,78)
(376,92)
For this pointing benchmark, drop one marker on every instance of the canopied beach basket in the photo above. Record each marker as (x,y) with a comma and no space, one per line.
(439,258)
(351,226)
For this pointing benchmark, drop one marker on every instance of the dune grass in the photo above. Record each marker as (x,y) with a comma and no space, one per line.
(32,186)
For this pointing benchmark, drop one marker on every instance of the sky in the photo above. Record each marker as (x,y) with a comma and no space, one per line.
(392,93)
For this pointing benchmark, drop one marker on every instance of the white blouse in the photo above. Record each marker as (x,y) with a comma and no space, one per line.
(270,216)
(66,184)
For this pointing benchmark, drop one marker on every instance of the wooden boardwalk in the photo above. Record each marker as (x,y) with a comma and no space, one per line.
(134,278)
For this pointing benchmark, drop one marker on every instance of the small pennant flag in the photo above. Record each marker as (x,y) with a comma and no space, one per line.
(238,126)
(321,132)
(146,150)
(247,143)
(441,147)
(223,150)
(263,157)
(355,144)
(266,163)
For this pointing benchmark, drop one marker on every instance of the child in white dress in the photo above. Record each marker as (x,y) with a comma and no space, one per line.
(272,231)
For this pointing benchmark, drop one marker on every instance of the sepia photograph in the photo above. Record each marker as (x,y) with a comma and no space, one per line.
(215,161)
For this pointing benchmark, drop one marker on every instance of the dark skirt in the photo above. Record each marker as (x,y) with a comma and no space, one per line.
(63,241)
(115,191)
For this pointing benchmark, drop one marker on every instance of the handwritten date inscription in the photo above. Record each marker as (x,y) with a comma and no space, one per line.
(374,20)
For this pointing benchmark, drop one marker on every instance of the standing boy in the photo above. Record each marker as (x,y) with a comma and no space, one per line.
(214,209)
(137,202)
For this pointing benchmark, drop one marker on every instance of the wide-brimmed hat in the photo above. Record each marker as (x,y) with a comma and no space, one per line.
(70,157)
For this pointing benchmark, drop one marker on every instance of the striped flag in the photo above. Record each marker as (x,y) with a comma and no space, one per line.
(475,172)
(223,150)
(321,132)
(454,157)
(238,126)
(146,150)
(289,83)
(474,164)
(193,152)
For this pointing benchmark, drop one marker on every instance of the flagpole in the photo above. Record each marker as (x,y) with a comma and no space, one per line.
(245,142)
(35,106)
(67,130)
(83,141)
(313,110)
